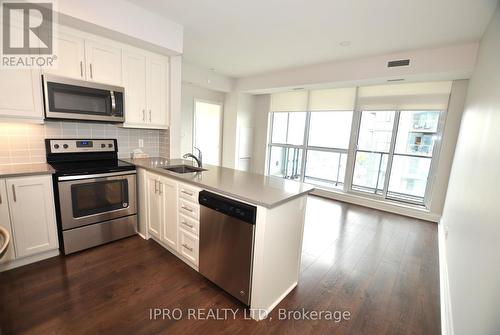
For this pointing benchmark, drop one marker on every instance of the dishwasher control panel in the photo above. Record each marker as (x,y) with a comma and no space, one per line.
(236,209)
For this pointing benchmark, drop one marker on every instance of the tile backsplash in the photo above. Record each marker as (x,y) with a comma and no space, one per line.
(24,143)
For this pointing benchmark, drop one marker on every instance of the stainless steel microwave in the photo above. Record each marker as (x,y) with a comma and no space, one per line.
(66,98)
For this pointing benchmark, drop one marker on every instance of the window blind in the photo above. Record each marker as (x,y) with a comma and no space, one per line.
(337,99)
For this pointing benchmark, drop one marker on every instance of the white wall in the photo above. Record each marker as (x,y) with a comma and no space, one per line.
(206,78)
(131,21)
(446,63)
(261,122)
(191,92)
(471,211)
(245,132)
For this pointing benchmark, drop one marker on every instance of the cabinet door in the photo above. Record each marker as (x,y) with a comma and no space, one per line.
(168,191)
(70,57)
(104,63)
(134,81)
(158,91)
(154,206)
(21,94)
(32,214)
(5,223)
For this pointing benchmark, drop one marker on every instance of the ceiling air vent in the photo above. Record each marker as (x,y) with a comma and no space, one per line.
(396,63)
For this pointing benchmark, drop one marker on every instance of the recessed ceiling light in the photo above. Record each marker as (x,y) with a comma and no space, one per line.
(212,69)
(345,43)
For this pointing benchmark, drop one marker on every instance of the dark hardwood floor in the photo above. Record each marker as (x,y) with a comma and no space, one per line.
(381,268)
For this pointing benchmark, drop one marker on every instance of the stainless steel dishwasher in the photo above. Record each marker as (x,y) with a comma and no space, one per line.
(226,243)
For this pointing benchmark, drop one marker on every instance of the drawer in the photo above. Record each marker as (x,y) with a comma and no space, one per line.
(188,246)
(189,224)
(188,192)
(189,209)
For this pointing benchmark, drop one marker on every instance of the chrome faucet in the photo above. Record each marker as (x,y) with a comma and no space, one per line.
(199,159)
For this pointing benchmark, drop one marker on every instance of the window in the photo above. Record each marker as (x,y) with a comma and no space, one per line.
(386,150)
(208,130)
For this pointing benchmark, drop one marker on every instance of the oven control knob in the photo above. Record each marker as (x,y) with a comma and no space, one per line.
(110,145)
(103,145)
(65,146)
(56,146)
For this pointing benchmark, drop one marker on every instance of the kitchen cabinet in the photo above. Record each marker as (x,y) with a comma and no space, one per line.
(146,79)
(21,95)
(103,62)
(70,56)
(32,214)
(157,88)
(188,246)
(168,191)
(134,81)
(153,206)
(5,222)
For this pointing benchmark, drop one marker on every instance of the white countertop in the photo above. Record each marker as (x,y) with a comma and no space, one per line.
(249,187)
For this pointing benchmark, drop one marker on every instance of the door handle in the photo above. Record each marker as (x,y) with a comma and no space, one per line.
(187,247)
(81,69)
(91,72)
(14,192)
(187,208)
(187,224)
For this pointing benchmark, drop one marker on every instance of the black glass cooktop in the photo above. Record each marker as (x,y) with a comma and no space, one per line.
(91,167)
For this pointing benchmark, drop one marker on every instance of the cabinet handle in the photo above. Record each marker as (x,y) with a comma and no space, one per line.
(187,224)
(188,193)
(187,247)
(81,69)
(156,186)
(91,72)
(160,187)
(150,115)
(14,192)
(187,208)
(0,199)
(143,115)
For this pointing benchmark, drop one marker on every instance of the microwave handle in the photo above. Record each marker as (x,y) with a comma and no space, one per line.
(113,102)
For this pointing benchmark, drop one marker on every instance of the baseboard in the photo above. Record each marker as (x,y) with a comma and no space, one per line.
(28,260)
(446,314)
(412,211)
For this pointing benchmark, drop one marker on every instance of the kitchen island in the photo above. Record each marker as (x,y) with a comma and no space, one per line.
(169,213)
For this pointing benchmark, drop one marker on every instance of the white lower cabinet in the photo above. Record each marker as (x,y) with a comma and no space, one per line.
(27,212)
(166,219)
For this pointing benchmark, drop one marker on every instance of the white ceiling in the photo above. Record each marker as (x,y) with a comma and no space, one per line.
(244,37)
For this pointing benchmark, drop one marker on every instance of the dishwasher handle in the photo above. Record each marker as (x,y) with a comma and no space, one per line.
(230,207)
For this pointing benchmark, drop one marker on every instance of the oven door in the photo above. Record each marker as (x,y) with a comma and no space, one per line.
(90,199)
(66,98)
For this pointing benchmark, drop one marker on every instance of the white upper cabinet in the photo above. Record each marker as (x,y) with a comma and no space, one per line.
(32,214)
(103,62)
(70,56)
(21,95)
(146,79)
(158,90)
(5,223)
(134,81)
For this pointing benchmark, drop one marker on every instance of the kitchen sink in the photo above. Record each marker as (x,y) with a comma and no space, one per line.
(183,169)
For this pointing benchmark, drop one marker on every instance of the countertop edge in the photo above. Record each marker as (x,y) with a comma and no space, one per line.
(213,189)
(5,174)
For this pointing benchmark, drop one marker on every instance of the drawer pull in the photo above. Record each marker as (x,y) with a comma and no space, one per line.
(187,224)
(187,208)
(188,193)
(187,247)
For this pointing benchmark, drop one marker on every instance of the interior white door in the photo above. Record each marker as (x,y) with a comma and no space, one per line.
(207,130)
(134,81)
(5,223)
(168,190)
(154,206)
(32,213)
(104,63)
(158,90)
(70,57)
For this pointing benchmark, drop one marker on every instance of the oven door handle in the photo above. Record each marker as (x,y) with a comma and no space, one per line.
(99,175)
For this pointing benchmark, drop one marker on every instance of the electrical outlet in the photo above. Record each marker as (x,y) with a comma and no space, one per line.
(141,143)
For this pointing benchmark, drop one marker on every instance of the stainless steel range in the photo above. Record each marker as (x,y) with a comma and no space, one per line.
(95,192)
